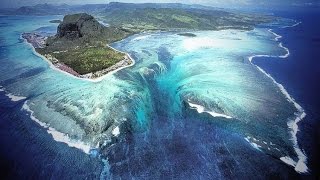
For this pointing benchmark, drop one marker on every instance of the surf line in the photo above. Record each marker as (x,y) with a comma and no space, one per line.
(201,109)
(96,80)
(58,136)
(11,96)
(300,165)
(296,24)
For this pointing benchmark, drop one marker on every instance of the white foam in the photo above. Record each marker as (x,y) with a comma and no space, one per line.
(277,36)
(58,136)
(64,138)
(296,24)
(287,50)
(15,98)
(300,165)
(214,114)
(201,109)
(254,145)
(293,125)
(140,38)
(288,161)
(11,96)
(103,23)
(116,131)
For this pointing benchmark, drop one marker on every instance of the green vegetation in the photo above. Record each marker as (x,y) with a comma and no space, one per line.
(142,19)
(80,43)
(80,40)
(87,59)
(84,30)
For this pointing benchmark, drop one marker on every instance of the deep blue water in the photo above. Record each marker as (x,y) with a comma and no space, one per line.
(29,152)
(188,146)
(300,74)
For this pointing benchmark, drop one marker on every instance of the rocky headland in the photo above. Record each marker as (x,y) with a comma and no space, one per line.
(81,48)
(80,45)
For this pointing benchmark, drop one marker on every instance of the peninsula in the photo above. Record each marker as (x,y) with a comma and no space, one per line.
(80,47)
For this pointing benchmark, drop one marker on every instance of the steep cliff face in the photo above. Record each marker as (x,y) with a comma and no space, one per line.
(79,47)
(83,30)
(78,26)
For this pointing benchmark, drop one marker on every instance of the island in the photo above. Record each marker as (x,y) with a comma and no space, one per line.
(81,48)
(81,45)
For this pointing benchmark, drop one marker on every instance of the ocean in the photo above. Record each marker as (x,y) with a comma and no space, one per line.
(299,73)
(189,108)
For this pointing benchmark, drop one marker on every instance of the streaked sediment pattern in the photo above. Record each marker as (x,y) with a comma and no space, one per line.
(205,82)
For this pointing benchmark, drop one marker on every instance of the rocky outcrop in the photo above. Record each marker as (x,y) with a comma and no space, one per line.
(84,30)
(80,47)
(79,26)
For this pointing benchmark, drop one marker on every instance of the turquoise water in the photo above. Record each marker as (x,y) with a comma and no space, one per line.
(175,83)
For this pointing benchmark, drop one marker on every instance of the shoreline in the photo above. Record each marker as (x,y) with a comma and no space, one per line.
(56,135)
(61,66)
(300,165)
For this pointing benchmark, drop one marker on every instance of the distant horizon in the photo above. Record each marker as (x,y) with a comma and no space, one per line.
(81,4)
(218,3)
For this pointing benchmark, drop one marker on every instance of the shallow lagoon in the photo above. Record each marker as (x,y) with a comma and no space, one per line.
(170,106)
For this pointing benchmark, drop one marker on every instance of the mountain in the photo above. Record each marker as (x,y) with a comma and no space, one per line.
(154,16)
(43,9)
(80,44)
(120,5)
(62,9)
(79,29)
(141,17)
